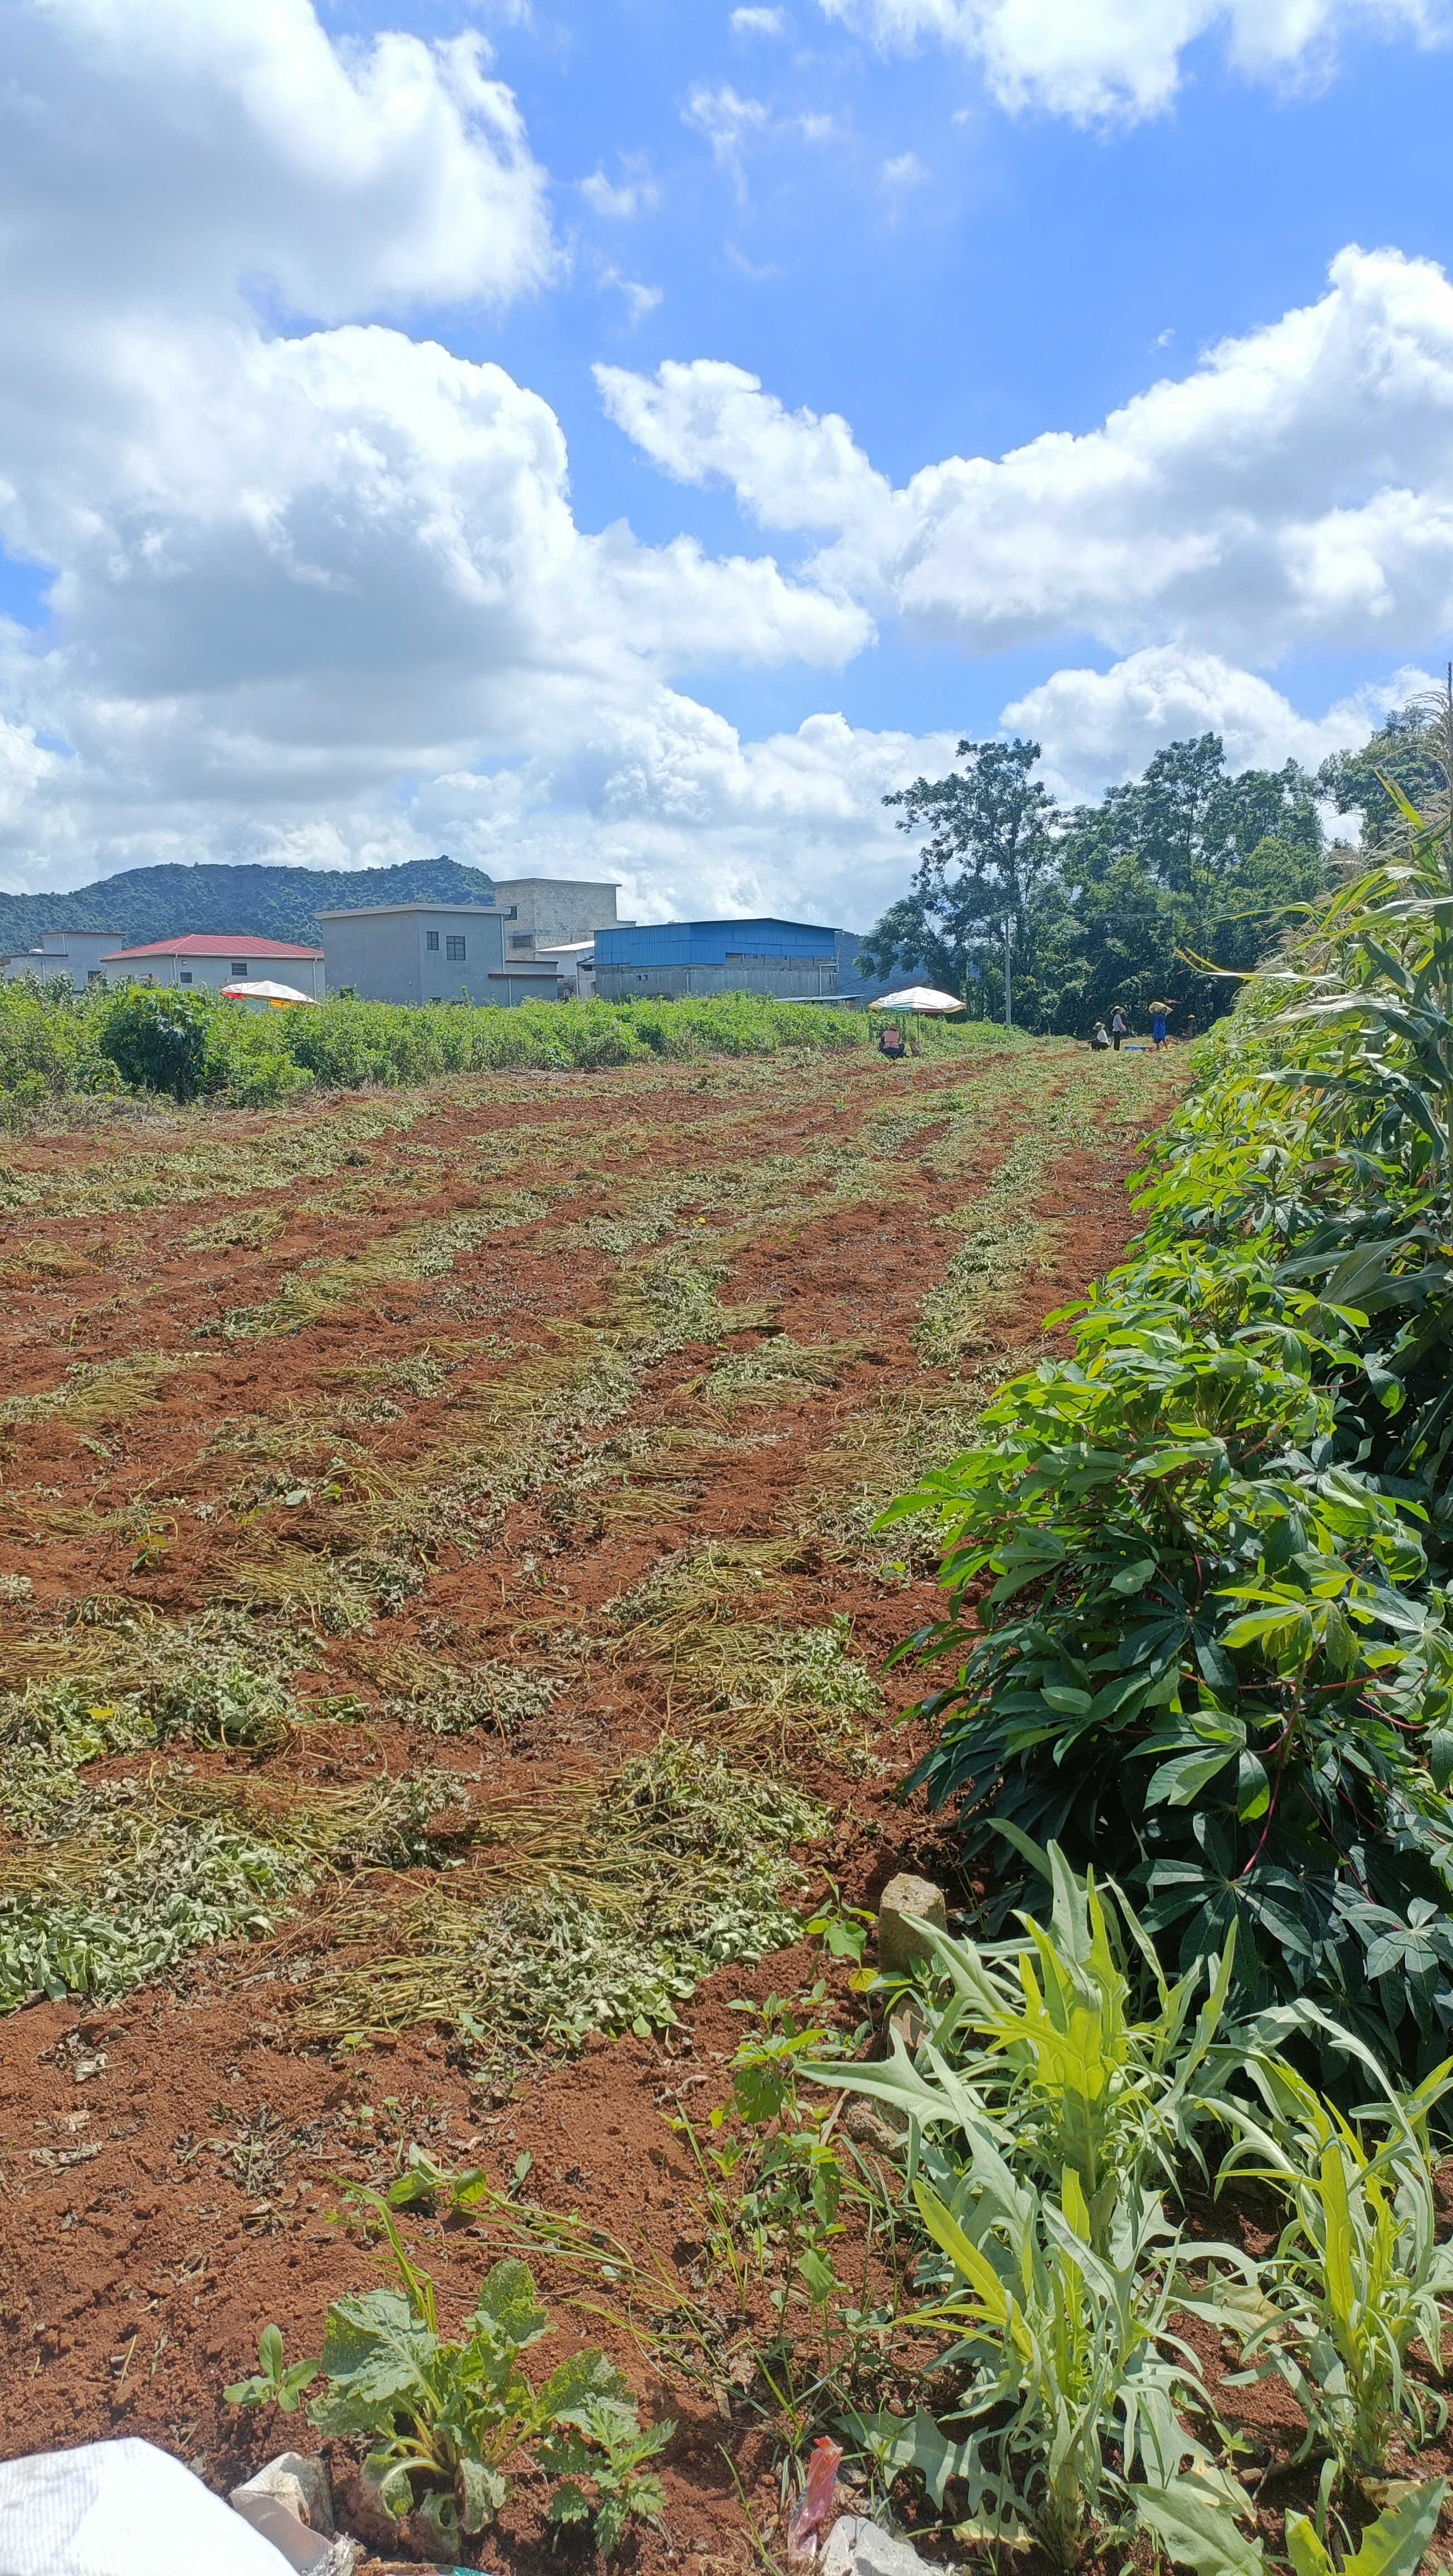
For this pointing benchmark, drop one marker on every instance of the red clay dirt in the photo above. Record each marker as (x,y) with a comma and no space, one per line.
(171,2164)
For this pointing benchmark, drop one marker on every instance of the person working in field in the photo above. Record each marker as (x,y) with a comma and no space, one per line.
(1159,1022)
(1118,1028)
(890,1042)
(1099,1035)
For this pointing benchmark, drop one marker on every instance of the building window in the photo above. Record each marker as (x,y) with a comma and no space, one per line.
(431,941)
(185,976)
(239,970)
(454,948)
(522,939)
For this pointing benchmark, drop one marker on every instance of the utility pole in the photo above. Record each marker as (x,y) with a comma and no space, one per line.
(1008,988)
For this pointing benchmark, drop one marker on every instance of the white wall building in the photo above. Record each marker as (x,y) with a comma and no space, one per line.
(551,912)
(203,957)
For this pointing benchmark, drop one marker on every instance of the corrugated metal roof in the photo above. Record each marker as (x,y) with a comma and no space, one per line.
(203,943)
(712,943)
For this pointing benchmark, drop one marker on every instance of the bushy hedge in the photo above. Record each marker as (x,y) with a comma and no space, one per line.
(1199,1571)
(54,1042)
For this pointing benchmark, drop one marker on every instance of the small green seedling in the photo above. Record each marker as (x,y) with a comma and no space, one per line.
(276,2382)
(598,2451)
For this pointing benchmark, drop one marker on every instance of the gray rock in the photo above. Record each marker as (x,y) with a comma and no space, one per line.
(905,1902)
(856,2546)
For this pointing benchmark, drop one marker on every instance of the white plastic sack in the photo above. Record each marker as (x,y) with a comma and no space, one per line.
(857,2546)
(121,2509)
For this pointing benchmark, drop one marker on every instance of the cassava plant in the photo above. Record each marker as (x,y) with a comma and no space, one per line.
(1195,1572)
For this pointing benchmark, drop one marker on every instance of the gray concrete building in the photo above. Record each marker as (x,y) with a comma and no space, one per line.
(429,952)
(76,953)
(552,912)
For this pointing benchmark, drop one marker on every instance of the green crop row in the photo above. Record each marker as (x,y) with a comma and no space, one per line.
(55,1043)
(1198,1570)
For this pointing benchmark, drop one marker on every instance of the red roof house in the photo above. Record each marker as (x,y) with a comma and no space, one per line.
(216,958)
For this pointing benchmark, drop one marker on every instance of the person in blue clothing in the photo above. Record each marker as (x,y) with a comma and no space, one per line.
(1159,1014)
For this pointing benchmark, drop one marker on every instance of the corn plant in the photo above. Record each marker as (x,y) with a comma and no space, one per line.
(1037,2044)
(1391,2546)
(1358,2277)
(1067,2365)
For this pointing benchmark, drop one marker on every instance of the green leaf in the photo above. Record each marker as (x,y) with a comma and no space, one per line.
(1394,2544)
(1196,2531)
(270,2351)
(509,2301)
(1180,1781)
(569,2503)
(1253,1789)
(1134,1578)
(481,2492)
(817,2275)
(1304,2549)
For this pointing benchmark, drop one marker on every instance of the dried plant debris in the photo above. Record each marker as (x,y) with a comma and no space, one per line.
(759,1680)
(675,1866)
(495,1696)
(779,1369)
(117,1880)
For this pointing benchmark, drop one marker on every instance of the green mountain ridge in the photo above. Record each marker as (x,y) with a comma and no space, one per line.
(166,902)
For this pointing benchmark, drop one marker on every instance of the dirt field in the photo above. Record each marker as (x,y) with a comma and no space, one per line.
(442,1524)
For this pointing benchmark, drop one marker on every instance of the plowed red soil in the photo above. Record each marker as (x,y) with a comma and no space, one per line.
(168,2161)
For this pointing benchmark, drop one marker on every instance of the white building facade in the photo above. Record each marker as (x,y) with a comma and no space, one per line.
(204,958)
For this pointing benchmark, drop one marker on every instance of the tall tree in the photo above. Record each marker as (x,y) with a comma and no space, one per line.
(991,843)
(1110,902)
(1404,750)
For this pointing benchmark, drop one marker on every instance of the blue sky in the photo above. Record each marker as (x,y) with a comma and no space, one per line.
(283,581)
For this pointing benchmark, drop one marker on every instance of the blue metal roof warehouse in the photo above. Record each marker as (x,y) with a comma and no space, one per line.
(789,959)
(711,943)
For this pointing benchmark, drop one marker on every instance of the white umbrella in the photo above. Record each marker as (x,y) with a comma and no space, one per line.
(919,997)
(261,992)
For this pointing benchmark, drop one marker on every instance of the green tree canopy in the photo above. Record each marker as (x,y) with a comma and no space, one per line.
(991,845)
(1403,749)
(1110,902)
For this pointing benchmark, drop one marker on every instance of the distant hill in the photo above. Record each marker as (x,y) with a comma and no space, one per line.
(271,903)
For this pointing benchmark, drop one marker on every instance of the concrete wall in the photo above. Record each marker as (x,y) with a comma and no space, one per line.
(550,910)
(76,953)
(400,953)
(787,980)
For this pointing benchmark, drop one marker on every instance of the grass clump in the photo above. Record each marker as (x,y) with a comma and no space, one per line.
(633,1892)
(759,1681)
(779,1369)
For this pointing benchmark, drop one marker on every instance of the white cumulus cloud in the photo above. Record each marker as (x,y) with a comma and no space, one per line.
(1295,491)
(1099,59)
(1097,727)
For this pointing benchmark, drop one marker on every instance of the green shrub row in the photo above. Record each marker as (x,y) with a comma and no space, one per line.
(1197,1571)
(55,1043)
